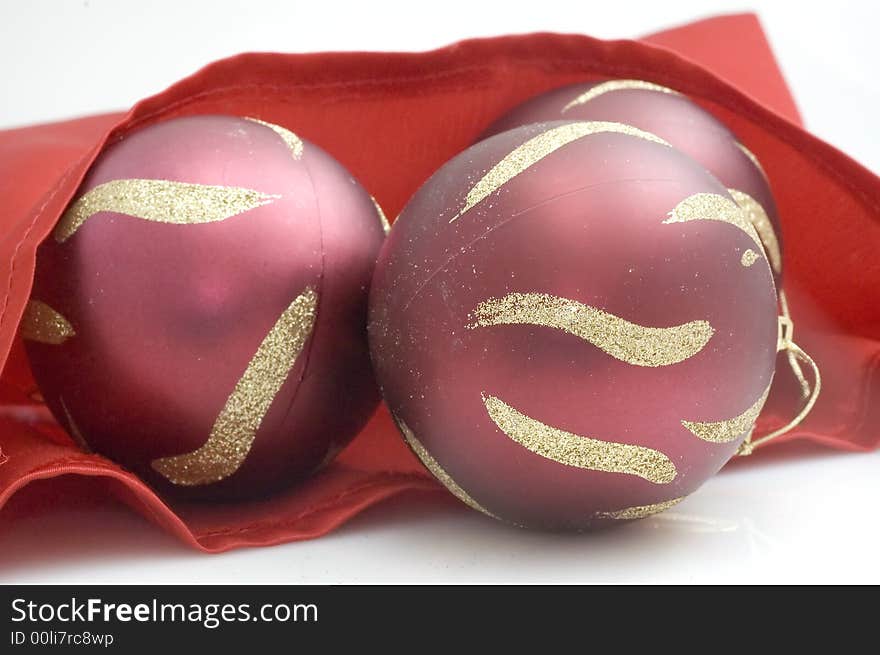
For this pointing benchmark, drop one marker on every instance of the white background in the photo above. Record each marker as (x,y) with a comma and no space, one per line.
(796,515)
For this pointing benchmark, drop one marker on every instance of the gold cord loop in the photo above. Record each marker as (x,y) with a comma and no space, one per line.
(792,359)
(796,356)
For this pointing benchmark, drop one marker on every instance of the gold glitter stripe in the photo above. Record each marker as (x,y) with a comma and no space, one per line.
(577,451)
(748,153)
(73,429)
(535,149)
(293,142)
(639,511)
(761,222)
(43,324)
(437,471)
(616,85)
(749,257)
(628,342)
(729,429)
(237,424)
(162,201)
(386,226)
(712,207)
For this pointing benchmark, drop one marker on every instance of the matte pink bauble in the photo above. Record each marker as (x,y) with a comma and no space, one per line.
(573,324)
(198,313)
(676,119)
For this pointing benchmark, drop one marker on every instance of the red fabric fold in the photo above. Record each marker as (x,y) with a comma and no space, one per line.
(392,119)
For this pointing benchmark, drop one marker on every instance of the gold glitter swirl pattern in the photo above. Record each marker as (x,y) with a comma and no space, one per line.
(728,429)
(628,342)
(748,153)
(386,226)
(162,201)
(538,147)
(712,207)
(616,85)
(43,324)
(639,511)
(749,257)
(73,429)
(293,142)
(437,471)
(577,451)
(236,426)
(761,222)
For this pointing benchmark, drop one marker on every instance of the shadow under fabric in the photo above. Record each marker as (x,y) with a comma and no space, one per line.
(392,119)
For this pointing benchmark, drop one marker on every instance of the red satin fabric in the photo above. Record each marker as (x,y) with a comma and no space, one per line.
(392,119)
